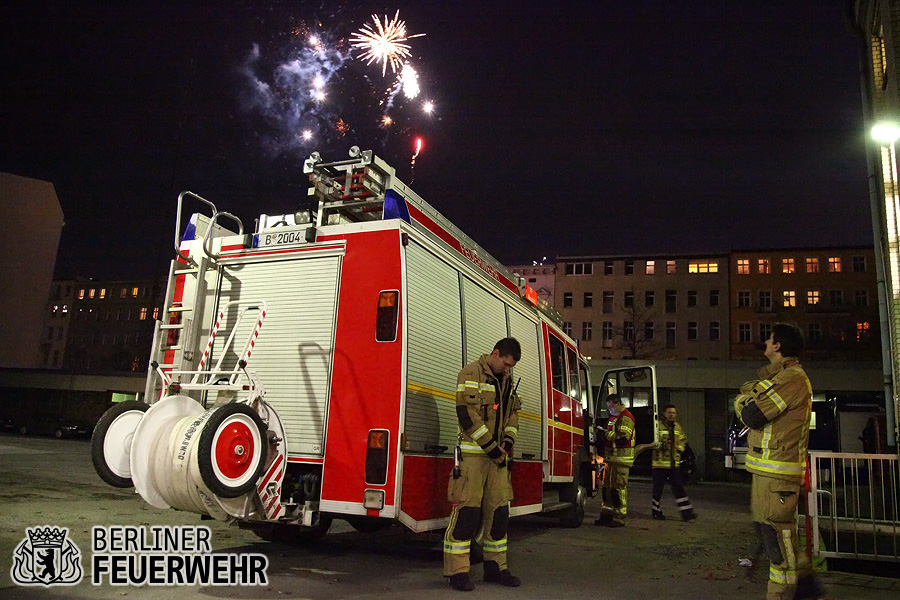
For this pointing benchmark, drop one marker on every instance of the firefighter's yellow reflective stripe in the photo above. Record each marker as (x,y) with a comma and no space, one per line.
(625,429)
(457,547)
(512,431)
(766,439)
(487,387)
(776,398)
(782,576)
(471,385)
(480,432)
(470,448)
(789,550)
(495,546)
(430,391)
(774,466)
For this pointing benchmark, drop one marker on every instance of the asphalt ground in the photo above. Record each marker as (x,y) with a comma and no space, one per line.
(44,481)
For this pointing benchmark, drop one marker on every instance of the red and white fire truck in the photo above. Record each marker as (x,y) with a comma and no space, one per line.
(333,393)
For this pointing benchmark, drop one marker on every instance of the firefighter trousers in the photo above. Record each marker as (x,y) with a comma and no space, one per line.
(480,496)
(676,479)
(773,504)
(615,489)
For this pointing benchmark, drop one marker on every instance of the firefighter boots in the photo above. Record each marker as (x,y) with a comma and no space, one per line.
(461,582)
(493,574)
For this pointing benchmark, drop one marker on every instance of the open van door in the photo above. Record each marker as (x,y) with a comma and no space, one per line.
(636,387)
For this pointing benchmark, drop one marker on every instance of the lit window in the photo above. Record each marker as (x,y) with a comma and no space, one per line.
(787,265)
(670,267)
(143,316)
(156,312)
(834,264)
(134,292)
(764,266)
(812,265)
(743,266)
(790,298)
(91,293)
(812,297)
(81,294)
(102,293)
(862,331)
(698,266)
(65,308)
(651,267)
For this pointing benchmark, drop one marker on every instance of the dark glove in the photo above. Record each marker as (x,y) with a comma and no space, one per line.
(621,442)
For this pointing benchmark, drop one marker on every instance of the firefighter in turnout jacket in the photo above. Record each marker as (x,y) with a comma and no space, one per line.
(618,453)
(667,464)
(776,409)
(487,410)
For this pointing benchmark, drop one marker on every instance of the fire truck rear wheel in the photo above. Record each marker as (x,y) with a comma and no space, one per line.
(577,494)
(111,442)
(231,452)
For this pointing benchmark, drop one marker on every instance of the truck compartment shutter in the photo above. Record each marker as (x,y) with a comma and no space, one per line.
(293,354)
(434,337)
(485,320)
(531,429)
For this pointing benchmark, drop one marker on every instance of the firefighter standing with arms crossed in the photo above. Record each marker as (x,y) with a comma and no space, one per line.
(776,409)
(618,442)
(487,410)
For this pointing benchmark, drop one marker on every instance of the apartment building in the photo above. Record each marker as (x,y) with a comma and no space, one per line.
(646,307)
(540,277)
(830,293)
(111,324)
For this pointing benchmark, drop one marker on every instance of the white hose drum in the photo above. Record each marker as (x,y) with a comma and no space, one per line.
(111,442)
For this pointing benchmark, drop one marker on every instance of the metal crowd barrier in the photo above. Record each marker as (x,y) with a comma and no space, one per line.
(854,505)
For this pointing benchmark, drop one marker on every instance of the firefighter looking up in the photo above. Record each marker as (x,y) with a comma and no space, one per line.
(777,409)
(618,443)
(488,413)
(667,465)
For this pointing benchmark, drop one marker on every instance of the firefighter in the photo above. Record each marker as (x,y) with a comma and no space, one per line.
(487,409)
(618,442)
(776,409)
(667,465)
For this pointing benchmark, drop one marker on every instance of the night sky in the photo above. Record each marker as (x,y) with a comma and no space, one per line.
(560,127)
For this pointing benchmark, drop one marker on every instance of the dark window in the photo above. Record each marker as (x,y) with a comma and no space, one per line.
(859,264)
(713,297)
(558,364)
(608,301)
(692,331)
(648,330)
(587,331)
(629,267)
(608,267)
(670,334)
(588,299)
(713,331)
(692,298)
(567,300)
(628,300)
(670,301)
(649,299)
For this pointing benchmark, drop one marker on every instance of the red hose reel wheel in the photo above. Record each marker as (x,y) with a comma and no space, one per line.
(232,449)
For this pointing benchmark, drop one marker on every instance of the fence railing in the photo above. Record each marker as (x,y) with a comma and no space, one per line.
(854,505)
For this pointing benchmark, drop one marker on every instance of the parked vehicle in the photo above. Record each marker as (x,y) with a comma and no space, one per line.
(56,426)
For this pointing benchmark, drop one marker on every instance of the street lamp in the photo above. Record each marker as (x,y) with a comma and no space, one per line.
(886,132)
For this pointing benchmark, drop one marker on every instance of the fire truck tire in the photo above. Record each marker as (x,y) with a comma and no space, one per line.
(111,442)
(231,452)
(577,494)
(290,534)
(367,524)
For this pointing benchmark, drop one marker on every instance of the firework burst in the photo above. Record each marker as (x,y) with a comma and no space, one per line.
(384,43)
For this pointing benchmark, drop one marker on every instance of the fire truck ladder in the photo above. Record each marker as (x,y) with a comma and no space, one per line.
(217,378)
(357,189)
(175,343)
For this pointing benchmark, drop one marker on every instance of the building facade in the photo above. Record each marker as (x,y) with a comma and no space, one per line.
(829,293)
(540,277)
(876,24)
(110,324)
(645,307)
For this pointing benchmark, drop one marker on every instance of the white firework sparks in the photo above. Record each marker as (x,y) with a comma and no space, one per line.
(409,79)
(384,42)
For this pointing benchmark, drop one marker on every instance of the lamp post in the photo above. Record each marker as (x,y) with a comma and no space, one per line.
(886,133)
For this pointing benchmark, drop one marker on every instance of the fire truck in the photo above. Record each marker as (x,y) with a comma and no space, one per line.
(307,371)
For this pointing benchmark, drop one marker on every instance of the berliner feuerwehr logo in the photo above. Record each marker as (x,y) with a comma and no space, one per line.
(45,557)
